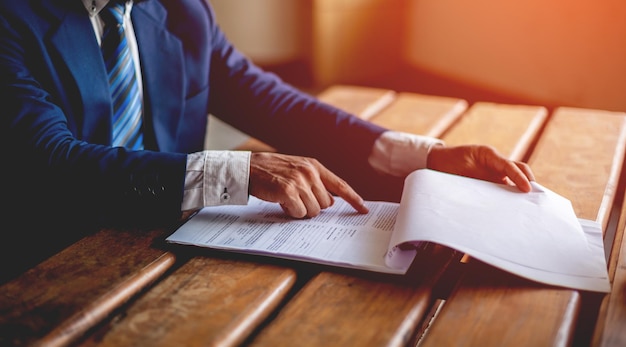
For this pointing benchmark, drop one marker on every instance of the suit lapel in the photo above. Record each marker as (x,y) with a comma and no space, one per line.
(162,71)
(75,42)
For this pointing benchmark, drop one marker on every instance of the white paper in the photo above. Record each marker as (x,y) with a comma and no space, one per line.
(535,235)
(338,236)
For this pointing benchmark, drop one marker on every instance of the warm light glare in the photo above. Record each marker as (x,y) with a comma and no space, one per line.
(561,52)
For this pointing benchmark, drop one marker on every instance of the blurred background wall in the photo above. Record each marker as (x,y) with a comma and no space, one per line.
(271,31)
(551,53)
(556,52)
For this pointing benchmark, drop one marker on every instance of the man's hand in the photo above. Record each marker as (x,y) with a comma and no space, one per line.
(302,186)
(482,162)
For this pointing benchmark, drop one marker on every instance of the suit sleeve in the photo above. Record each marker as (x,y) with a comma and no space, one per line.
(260,104)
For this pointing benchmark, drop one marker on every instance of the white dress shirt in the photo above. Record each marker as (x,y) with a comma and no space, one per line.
(222,177)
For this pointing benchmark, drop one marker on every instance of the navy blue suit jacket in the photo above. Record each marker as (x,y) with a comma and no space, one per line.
(59,173)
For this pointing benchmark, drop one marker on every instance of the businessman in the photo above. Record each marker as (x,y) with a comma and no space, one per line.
(104,113)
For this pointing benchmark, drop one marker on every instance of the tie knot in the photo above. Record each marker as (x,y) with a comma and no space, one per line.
(113,13)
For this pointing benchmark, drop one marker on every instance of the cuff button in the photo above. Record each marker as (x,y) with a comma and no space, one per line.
(225,196)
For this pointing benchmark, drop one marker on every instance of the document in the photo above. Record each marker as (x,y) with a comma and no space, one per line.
(534,235)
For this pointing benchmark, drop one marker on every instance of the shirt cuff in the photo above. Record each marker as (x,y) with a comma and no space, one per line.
(216,178)
(398,153)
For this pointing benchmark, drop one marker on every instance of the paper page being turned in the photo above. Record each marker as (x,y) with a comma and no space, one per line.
(534,235)
(338,236)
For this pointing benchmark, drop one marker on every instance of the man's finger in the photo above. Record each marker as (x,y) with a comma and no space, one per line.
(311,204)
(527,170)
(518,176)
(323,197)
(294,208)
(342,189)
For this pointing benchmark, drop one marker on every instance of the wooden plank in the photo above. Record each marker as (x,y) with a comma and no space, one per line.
(614,313)
(577,156)
(421,114)
(66,295)
(336,309)
(363,102)
(609,328)
(492,124)
(582,158)
(494,308)
(611,321)
(359,309)
(224,312)
(352,298)
(209,301)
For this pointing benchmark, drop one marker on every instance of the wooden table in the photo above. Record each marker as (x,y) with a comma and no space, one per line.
(126,288)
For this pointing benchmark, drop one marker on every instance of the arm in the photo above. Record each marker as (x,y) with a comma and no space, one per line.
(263,106)
(53,162)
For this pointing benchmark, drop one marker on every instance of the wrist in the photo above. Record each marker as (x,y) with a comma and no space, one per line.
(432,154)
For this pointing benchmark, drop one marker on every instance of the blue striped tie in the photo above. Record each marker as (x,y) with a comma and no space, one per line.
(127,109)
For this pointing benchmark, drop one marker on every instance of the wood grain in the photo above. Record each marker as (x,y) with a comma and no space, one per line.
(577,156)
(238,299)
(581,158)
(364,102)
(613,314)
(421,114)
(609,328)
(495,124)
(209,301)
(494,308)
(125,287)
(340,310)
(60,299)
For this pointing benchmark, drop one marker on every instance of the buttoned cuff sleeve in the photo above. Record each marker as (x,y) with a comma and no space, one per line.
(398,154)
(216,178)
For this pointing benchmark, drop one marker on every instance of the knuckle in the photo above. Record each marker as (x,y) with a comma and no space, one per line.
(289,188)
(308,170)
(342,185)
